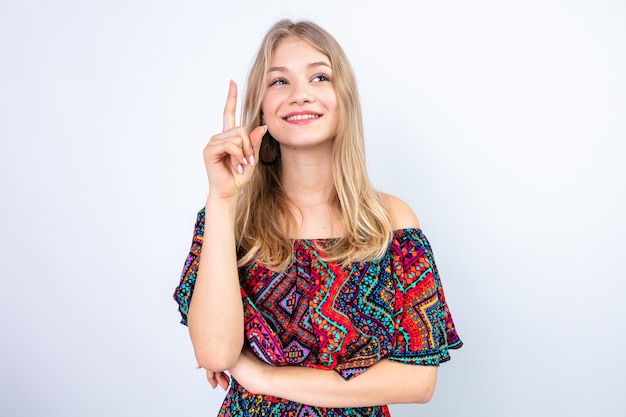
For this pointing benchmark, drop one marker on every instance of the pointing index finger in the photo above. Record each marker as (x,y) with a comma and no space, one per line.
(231,107)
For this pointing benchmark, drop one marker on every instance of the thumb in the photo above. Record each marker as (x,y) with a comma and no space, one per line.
(256,137)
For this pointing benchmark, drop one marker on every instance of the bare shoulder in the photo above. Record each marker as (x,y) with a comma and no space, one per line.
(401,215)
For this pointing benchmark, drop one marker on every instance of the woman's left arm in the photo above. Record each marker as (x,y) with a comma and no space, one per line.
(386,382)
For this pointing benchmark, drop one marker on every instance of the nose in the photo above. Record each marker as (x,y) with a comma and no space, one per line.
(301,93)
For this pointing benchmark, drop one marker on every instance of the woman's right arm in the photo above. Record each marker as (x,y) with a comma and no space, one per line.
(215,316)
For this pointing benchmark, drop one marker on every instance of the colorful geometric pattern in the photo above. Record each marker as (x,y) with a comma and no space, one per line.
(320,315)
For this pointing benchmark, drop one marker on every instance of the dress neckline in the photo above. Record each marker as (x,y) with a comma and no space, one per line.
(396,233)
(314,239)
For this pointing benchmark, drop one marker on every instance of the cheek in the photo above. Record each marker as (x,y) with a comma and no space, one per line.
(331,99)
(333,104)
(269,101)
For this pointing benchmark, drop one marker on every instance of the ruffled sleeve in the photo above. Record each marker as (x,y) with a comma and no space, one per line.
(182,294)
(425,330)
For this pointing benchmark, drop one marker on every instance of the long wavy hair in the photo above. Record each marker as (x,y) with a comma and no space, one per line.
(263,218)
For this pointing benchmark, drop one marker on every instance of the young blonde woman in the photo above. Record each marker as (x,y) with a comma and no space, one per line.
(316,293)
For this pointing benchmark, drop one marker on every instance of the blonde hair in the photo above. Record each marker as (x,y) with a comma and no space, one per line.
(262,204)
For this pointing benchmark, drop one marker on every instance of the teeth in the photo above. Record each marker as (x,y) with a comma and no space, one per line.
(302,117)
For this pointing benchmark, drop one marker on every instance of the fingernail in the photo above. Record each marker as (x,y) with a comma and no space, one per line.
(240,169)
(244,161)
(251,159)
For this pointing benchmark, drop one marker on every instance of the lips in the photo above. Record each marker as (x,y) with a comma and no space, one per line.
(294,117)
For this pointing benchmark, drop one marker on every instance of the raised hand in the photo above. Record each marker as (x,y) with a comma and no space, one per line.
(230,156)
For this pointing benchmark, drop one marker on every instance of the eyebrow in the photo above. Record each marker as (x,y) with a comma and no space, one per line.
(311,65)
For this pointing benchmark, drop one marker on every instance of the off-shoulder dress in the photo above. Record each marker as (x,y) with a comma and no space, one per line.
(321,315)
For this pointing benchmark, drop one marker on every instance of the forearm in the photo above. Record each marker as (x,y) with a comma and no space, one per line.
(216,312)
(386,382)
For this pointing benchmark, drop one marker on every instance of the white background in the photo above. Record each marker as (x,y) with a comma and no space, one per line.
(502,123)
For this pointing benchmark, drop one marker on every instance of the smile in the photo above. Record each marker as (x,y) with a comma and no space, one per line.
(307,116)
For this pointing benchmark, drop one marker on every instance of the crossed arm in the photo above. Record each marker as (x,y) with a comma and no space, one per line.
(386,382)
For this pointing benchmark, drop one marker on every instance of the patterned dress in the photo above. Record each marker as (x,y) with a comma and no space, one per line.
(320,315)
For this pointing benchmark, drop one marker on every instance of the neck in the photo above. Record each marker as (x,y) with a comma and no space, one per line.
(307,176)
(308,185)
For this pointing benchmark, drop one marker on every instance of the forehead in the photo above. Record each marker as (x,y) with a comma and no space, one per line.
(294,51)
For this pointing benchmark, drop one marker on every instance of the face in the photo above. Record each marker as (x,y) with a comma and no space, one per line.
(300,103)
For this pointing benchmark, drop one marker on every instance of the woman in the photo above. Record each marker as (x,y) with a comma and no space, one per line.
(343,310)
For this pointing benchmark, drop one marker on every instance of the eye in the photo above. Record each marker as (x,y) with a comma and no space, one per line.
(278,81)
(320,77)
